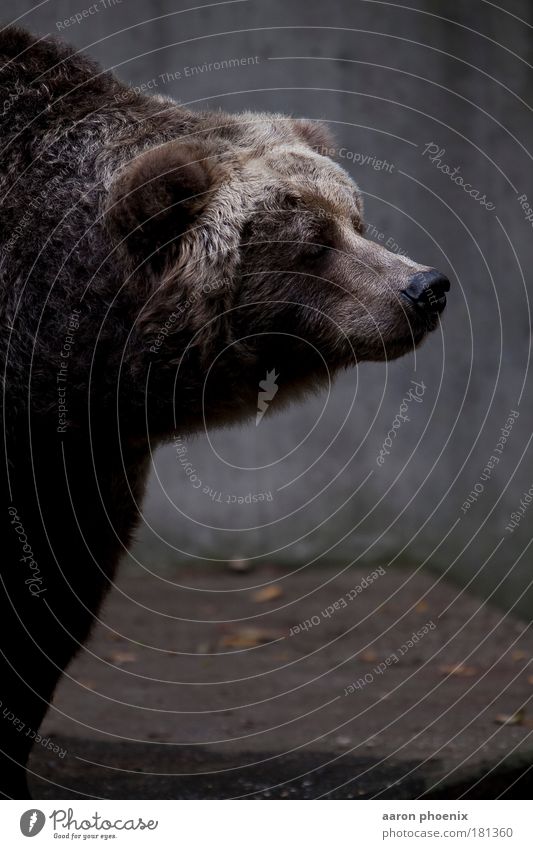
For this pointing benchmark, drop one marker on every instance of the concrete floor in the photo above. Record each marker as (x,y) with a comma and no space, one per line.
(192,686)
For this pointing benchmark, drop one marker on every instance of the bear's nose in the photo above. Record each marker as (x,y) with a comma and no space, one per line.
(427,290)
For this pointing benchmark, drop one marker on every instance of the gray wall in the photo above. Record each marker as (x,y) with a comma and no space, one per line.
(389,81)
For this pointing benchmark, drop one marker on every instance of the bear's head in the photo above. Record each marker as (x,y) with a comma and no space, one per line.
(249,248)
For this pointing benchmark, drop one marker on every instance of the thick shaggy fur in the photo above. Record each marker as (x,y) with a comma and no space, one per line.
(155,264)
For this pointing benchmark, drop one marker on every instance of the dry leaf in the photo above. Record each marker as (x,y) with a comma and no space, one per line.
(519,655)
(247,638)
(368,656)
(512,718)
(204,648)
(239,565)
(112,635)
(530,679)
(121,657)
(421,607)
(270,593)
(459,670)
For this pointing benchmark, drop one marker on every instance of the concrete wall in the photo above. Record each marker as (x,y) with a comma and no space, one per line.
(389,81)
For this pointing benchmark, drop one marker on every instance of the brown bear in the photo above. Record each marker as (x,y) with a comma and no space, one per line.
(156,263)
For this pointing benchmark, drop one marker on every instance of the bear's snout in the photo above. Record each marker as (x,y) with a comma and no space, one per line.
(426,290)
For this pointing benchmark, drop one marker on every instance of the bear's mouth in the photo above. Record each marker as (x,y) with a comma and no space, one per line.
(418,327)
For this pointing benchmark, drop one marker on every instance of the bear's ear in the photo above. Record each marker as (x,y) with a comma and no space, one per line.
(159,196)
(316,135)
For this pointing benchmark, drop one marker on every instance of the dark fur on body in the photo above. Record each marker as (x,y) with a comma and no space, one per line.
(117,208)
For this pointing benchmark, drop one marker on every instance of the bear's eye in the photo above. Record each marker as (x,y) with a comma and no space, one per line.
(316,249)
(320,240)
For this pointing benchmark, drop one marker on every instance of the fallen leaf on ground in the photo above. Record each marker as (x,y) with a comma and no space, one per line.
(112,635)
(519,655)
(269,593)
(247,638)
(459,670)
(530,679)
(204,648)
(239,565)
(422,606)
(121,657)
(368,656)
(512,718)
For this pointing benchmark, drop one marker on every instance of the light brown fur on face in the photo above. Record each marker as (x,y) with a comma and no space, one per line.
(305,242)
(251,208)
